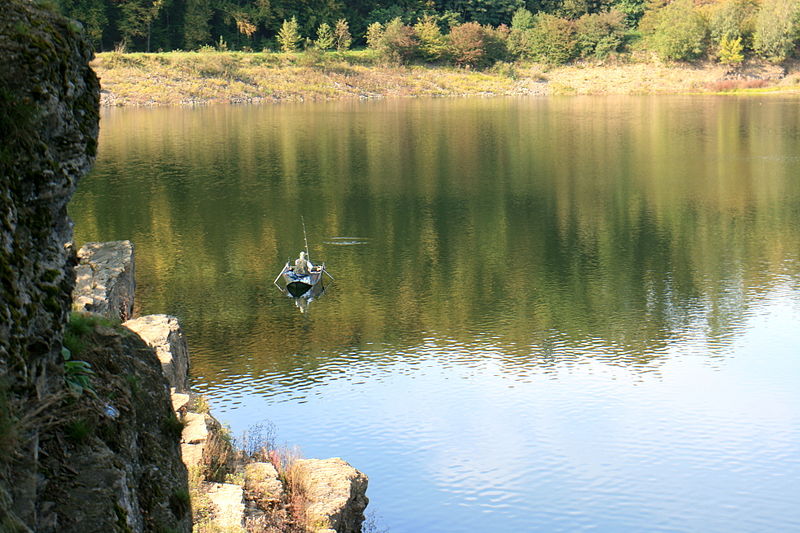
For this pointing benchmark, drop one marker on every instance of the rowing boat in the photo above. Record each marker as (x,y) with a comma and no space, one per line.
(298,284)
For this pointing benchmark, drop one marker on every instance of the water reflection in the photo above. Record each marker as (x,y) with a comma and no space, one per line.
(542,306)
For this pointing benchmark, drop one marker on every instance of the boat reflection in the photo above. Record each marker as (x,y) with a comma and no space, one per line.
(303,301)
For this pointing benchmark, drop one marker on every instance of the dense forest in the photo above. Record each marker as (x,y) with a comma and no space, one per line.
(466,32)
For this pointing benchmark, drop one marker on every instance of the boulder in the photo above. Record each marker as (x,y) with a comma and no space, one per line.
(262,484)
(335,493)
(228,501)
(164,334)
(104,281)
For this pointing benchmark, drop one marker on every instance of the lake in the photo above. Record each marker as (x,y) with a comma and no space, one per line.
(549,314)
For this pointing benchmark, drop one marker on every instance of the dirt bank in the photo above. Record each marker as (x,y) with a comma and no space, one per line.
(190,78)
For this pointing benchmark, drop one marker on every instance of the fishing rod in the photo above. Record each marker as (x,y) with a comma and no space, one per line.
(308,257)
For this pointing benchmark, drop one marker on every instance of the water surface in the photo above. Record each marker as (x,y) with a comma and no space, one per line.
(559,314)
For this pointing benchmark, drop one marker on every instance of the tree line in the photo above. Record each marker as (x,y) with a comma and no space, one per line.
(464,32)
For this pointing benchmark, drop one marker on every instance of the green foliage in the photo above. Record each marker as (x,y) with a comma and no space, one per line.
(521,23)
(522,20)
(777,29)
(552,40)
(173,426)
(374,35)
(341,35)
(731,51)
(432,44)
(676,32)
(395,42)
(79,430)
(600,34)
(77,374)
(92,13)
(8,431)
(732,19)
(489,12)
(573,9)
(325,39)
(197,28)
(289,36)
(632,9)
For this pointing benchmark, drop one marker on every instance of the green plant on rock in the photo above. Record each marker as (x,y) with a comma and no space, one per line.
(79,430)
(77,374)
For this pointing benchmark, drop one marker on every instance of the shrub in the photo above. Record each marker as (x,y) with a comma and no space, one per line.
(325,38)
(777,29)
(552,39)
(289,35)
(394,42)
(730,51)
(676,32)
(432,44)
(632,9)
(496,43)
(521,23)
(732,19)
(467,43)
(374,35)
(341,35)
(600,34)
(573,9)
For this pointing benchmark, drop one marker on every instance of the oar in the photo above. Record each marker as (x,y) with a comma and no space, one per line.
(281,274)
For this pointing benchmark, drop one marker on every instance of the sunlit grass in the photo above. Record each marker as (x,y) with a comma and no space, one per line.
(173,78)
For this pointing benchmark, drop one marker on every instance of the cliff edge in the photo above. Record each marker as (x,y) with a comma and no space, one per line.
(88,439)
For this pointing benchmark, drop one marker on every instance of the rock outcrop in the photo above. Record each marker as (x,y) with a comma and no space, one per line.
(49,123)
(336,494)
(164,334)
(105,280)
(118,466)
(79,452)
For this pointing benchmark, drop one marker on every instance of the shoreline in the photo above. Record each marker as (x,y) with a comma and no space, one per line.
(202,78)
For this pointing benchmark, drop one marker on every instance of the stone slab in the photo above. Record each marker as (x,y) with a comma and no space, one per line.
(164,334)
(105,282)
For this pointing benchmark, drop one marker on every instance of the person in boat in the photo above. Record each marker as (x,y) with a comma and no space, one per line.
(302,266)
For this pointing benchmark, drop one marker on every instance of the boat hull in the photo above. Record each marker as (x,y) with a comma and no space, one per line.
(300,285)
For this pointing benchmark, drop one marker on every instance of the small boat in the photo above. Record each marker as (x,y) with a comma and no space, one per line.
(296,284)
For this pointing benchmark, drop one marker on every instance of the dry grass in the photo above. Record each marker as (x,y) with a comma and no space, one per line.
(736,85)
(191,78)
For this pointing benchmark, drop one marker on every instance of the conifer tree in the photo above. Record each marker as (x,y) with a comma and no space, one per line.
(289,35)
(325,38)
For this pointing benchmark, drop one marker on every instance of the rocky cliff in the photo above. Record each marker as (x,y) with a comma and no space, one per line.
(88,439)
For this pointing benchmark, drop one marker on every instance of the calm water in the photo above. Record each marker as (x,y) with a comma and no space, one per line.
(559,314)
